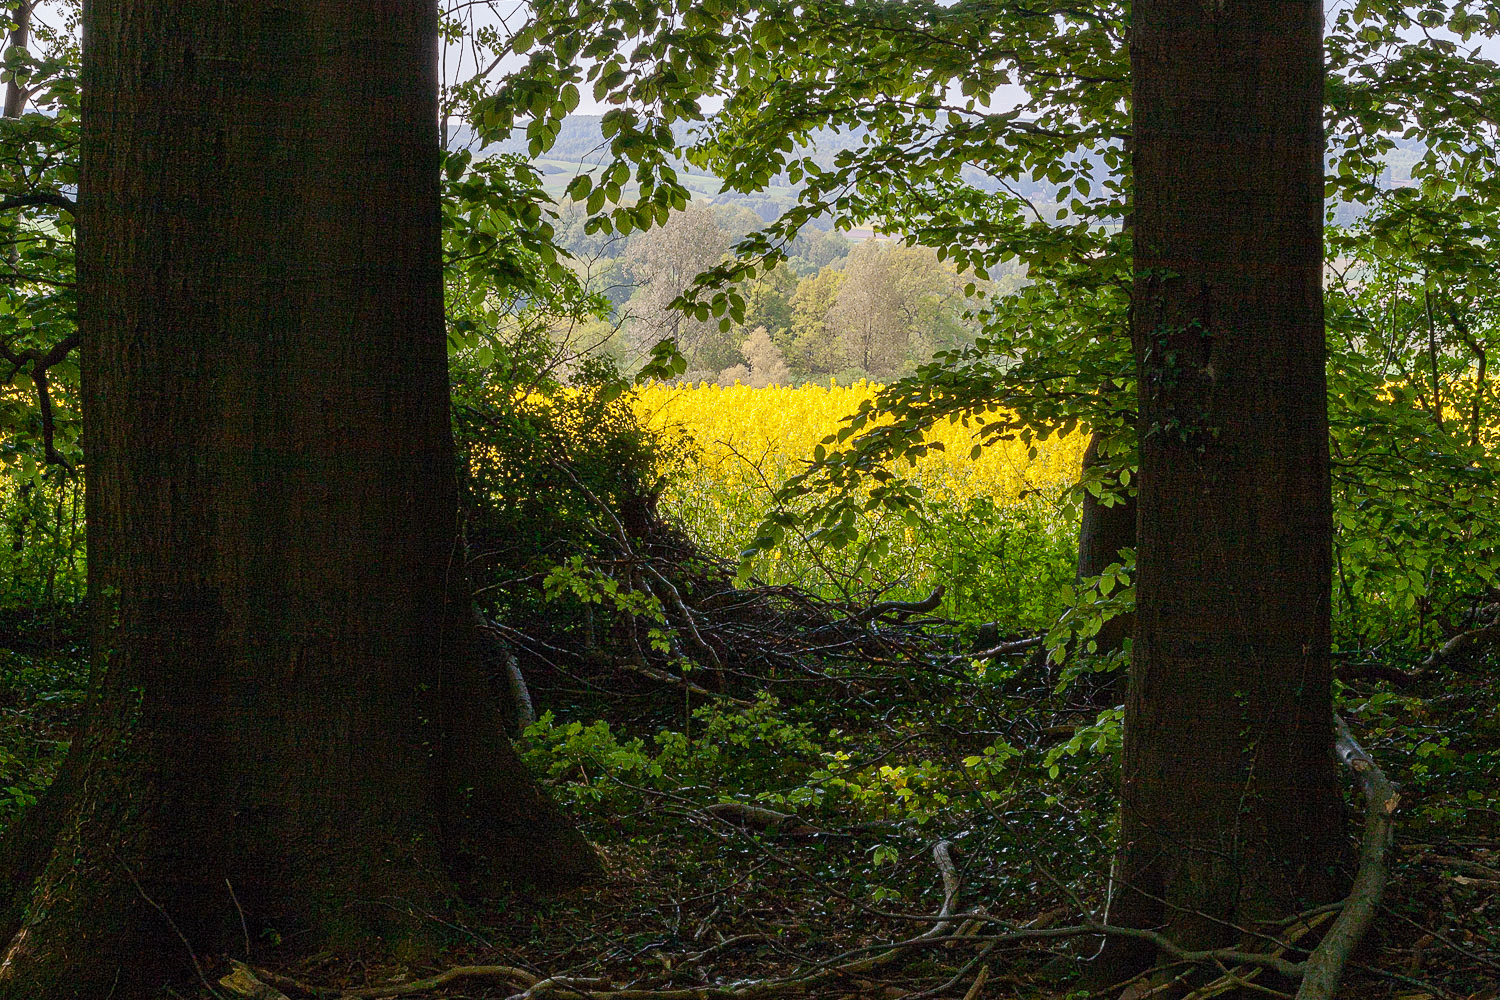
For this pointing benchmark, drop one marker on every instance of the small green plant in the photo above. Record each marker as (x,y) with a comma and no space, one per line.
(1103,738)
(591,585)
(1071,641)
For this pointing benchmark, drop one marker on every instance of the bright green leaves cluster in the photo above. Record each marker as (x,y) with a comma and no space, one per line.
(1412,328)
(1102,739)
(579,581)
(752,747)
(40,426)
(1413,71)
(1415,422)
(508,285)
(38,174)
(1087,606)
(788,765)
(785,71)
(649,59)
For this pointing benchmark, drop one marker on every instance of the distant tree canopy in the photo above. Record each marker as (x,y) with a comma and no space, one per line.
(834,308)
(925,154)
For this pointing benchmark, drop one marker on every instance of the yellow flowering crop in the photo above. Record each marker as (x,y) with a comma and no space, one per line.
(738,428)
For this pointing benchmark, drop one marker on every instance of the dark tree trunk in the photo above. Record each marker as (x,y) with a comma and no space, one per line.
(1230,807)
(20,35)
(288,718)
(1103,530)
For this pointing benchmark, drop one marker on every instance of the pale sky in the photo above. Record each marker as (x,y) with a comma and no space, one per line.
(496,14)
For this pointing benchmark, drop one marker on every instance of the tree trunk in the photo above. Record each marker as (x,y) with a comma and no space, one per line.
(288,720)
(1230,808)
(20,35)
(1102,532)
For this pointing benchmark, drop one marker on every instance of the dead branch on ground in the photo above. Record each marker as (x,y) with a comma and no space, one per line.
(1325,966)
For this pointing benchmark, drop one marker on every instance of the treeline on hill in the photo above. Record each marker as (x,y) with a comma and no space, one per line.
(580,146)
(834,308)
(872,307)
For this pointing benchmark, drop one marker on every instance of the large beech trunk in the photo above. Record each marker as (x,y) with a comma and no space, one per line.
(1230,810)
(286,719)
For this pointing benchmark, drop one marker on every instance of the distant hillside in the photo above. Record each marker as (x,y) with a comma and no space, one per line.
(581,146)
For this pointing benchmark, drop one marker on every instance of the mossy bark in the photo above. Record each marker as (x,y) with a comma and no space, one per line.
(289,722)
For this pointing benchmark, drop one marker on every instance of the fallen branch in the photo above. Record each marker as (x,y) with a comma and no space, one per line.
(1234,978)
(1377,671)
(1325,966)
(645,670)
(689,617)
(1006,648)
(243,982)
(758,817)
(520,696)
(903,608)
(1484,871)
(979,981)
(249,983)
(1459,643)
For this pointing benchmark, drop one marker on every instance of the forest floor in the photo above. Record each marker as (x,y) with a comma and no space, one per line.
(872,765)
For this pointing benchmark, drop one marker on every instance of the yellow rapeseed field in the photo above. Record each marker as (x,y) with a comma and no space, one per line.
(743,433)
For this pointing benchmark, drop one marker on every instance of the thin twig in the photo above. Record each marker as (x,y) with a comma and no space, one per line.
(244,927)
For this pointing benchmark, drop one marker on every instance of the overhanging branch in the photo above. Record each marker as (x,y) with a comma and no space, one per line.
(39,199)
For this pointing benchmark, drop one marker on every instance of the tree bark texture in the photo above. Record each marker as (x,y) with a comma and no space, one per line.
(287,718)
(1230,806)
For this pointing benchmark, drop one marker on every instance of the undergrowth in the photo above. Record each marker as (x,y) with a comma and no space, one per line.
(868,759)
